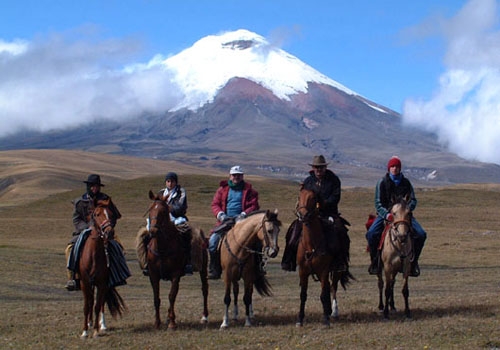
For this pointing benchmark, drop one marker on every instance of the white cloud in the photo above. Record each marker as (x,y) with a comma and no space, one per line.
(464,111)
(57,82)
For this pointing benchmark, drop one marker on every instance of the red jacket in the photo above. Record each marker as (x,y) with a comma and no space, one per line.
(250,199)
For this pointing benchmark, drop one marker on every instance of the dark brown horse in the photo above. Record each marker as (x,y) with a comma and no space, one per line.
(396,257)
(166,259)
(239,259)
(314,260)
(94,271)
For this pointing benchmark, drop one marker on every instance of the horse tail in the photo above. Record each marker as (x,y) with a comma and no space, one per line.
(115,303)
(344,277)
(262,285)
(140,245)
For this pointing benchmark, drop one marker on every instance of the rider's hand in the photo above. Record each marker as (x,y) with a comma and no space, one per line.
(389,217)
(221,216)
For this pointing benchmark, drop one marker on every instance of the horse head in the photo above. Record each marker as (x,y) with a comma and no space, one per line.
(103,218)
(307,205)
(401,226)
(159,215)
(270,229)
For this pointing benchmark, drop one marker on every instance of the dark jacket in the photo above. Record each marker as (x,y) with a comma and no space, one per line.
(177,201)
(387,190)
(83,207)
(328,191)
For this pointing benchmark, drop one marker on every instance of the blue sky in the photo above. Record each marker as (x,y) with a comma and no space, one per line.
(405,55)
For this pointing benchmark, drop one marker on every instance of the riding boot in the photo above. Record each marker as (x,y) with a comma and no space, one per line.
(214,269)
(418,245)
(374,266)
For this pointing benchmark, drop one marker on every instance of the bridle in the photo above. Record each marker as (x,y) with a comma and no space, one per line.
(400,240)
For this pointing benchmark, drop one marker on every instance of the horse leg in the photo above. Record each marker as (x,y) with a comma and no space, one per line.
(99,304)
(87,307)
(236,291)
(155,284)
(102,321)
(389,293)
(326,299)
(380,291)
(406,295)
(174,289)
(204,291)
(303,297)
(335,285)
(227,302)
(247,299)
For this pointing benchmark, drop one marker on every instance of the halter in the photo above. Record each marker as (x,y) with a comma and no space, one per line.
(163,204)
(402,239)
(101,229)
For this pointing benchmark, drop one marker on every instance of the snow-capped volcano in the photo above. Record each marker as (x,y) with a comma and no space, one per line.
(203,69)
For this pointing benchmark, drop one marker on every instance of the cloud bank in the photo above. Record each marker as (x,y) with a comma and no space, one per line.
(464,111)
(56,82)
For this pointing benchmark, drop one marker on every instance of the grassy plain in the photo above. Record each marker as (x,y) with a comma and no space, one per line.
(455,301)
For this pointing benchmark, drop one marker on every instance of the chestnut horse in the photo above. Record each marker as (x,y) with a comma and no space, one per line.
(396,256)
(313,260)
(166,259)
(239,249)
(94,271)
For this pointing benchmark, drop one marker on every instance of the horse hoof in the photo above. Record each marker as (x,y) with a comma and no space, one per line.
(204,320)
(84,335)
(298,324)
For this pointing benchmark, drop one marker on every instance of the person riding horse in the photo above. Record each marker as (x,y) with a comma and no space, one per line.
(326,184)
(82,213)
(175,196)
(233,200)
(392,186)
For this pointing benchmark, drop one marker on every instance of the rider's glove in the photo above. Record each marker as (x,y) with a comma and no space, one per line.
(389,217)
(221,216)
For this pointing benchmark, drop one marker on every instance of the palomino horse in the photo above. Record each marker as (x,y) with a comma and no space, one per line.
(396,256)
(94,271)
(313,259)
(239,259)
(165,257)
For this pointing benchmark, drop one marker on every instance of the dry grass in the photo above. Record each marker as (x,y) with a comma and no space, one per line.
(454,301)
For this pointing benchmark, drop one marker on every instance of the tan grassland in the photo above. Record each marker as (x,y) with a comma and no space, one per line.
(455,301)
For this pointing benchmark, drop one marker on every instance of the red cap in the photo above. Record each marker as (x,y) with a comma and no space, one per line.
(394,161)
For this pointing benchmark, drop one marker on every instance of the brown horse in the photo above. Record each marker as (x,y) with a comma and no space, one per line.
(313,259)
(165,257)
(94,271)
(396,257)
(239,250)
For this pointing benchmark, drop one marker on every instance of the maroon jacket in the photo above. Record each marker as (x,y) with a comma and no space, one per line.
(250,198)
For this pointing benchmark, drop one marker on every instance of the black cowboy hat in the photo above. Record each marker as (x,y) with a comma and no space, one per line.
(318,161)
(94,179)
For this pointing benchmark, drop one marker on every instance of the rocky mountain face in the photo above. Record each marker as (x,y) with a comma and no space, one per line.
(247,124)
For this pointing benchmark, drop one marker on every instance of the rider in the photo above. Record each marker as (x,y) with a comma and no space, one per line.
(327,185)
(393,185)
(234,199)
(175,196)
(83,207)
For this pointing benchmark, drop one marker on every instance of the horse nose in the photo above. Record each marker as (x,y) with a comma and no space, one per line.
(272,252)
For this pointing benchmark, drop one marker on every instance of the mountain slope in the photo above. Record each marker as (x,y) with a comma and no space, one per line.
(247,102)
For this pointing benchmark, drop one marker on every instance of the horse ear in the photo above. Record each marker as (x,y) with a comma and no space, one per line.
(407,198)
(276,211)
(151,195)
(301,186)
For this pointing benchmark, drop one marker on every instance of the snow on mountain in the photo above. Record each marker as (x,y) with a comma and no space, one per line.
(201,70)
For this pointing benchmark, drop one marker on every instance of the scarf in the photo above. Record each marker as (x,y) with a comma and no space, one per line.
(237,187)
(396,178)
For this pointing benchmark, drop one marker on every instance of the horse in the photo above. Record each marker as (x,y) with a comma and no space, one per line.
(94,272)
(313,260)
(165,257)
(239,259)
(396,256)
